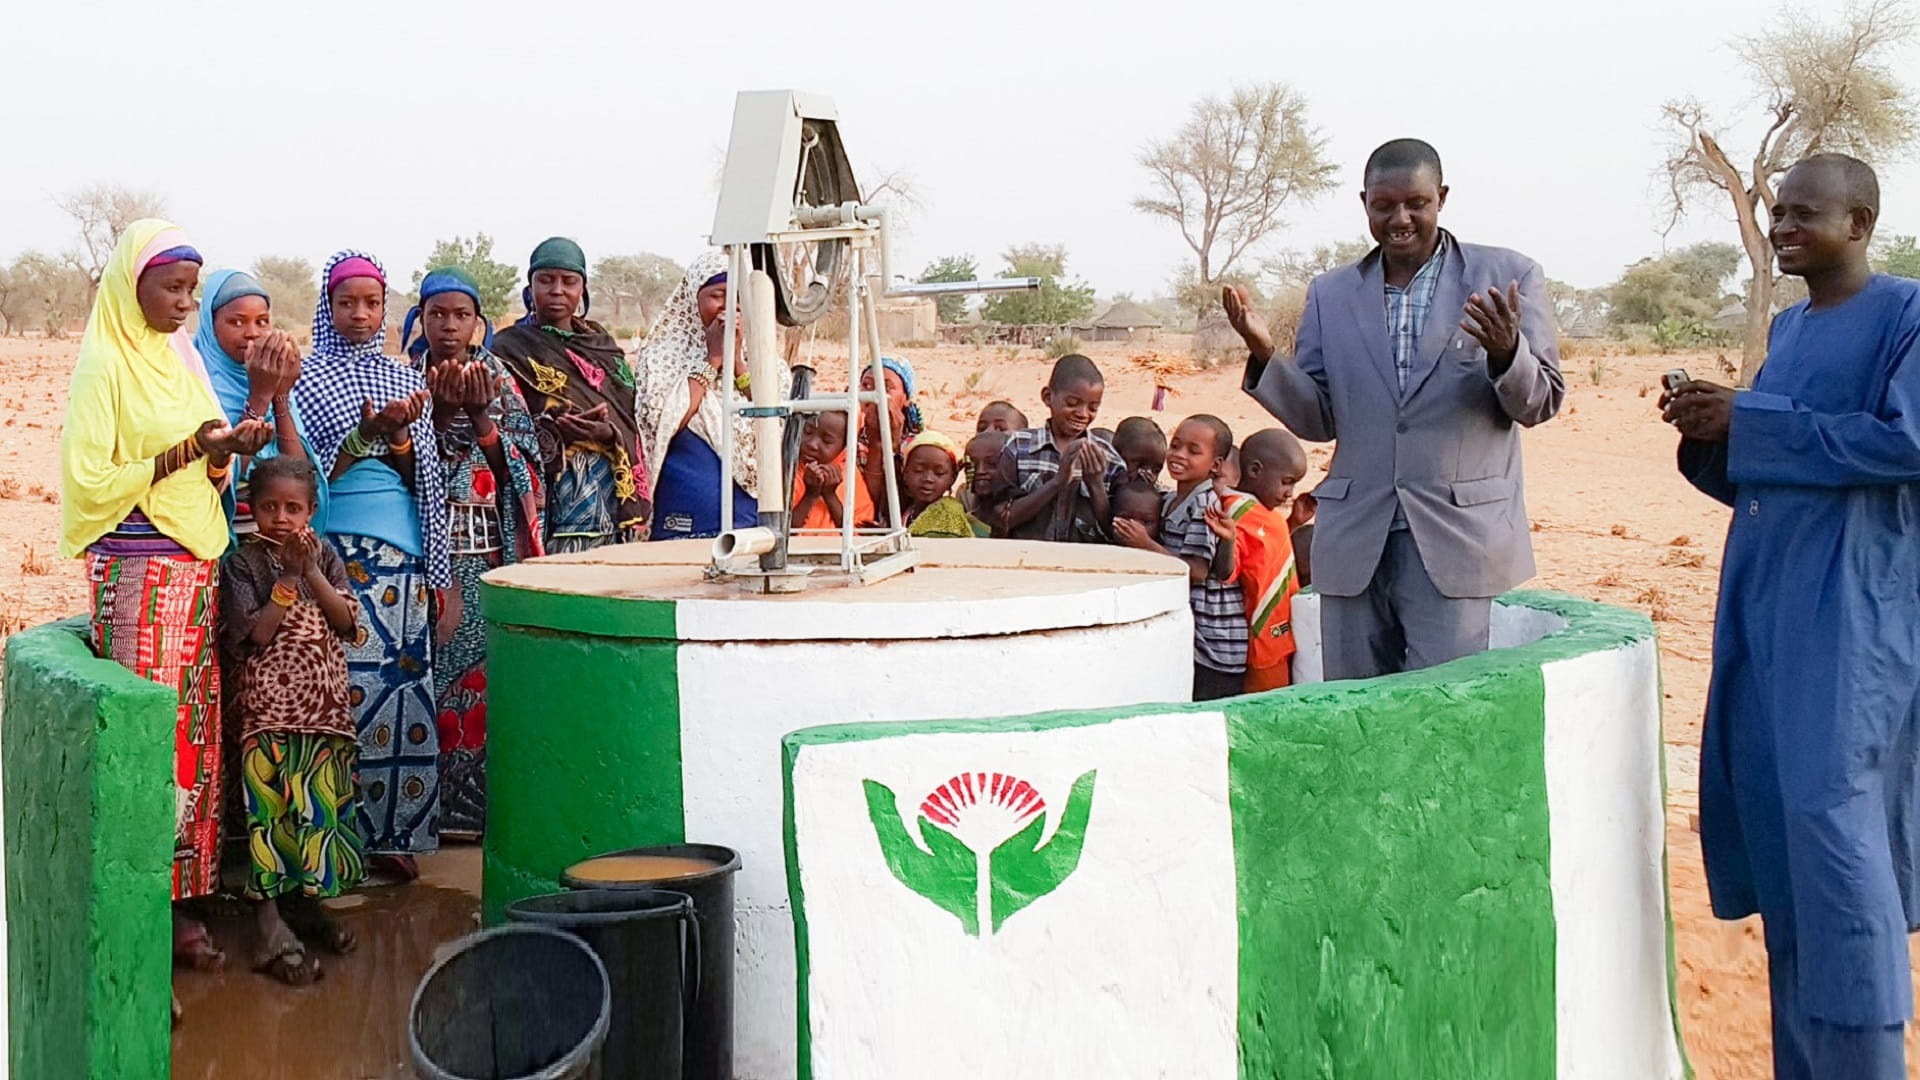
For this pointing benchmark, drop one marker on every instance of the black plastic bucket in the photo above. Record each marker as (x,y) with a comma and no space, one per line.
(650,943)
(511,1003)
(708,1050)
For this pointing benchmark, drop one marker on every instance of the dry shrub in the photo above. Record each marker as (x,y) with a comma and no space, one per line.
(1680,541)
(9,488)
(35,564)
(1571,349)
(1611,579)
(916,344)
(1618,530)
(1599,372)
(1657,603)
(1684,559)
(13,614)
(1283,315)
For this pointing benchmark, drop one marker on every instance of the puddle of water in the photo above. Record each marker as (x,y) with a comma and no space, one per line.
(352,1024)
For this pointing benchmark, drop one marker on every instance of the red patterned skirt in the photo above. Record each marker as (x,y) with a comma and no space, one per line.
(155,615)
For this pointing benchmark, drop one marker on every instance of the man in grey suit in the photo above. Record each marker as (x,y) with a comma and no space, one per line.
(1422,360)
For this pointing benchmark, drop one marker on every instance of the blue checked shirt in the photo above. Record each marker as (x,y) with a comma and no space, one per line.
(1407,312)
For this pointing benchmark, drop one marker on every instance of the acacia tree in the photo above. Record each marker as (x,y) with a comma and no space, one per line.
(636,285)
(1897,255)
(1301,267)
(101,213)
(953,308)
(1229,173)
(495,279)
(294,285)
(1825,87)
(1057,302)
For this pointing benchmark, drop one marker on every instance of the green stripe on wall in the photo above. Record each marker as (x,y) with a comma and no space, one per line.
(1348,969)
(583,754)
(579,613)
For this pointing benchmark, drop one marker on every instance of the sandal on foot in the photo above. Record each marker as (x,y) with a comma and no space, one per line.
(400,868)
(285,959)
(311,922)
(196,949)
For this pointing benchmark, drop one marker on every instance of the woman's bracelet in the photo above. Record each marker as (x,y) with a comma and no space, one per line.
(219,472)
(402,447)
(741,383)
(284,595)
(490,440)
(357,444)
(181,454)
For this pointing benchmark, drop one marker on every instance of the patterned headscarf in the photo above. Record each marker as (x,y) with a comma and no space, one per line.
(334,383)
(675,349)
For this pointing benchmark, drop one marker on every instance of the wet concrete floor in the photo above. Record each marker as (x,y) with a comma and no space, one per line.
(352,1024)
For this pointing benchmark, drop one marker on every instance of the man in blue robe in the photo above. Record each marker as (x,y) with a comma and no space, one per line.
(1808,761)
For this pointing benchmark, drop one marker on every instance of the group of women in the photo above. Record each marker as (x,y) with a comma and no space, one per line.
(469,451)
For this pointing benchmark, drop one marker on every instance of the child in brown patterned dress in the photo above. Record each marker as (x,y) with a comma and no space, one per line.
(285,610)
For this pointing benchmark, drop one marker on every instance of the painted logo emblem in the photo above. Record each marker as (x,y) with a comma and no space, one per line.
(979,855)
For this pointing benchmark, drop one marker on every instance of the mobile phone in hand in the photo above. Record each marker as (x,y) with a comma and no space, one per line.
(1675,379)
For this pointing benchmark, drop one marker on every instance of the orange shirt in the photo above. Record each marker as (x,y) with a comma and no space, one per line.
(1263,565)
(819,517)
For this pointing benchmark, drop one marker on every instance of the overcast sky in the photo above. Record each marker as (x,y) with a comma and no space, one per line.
(300,128)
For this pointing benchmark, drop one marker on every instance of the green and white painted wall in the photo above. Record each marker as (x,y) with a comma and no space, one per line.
(631,704)
(1453,873)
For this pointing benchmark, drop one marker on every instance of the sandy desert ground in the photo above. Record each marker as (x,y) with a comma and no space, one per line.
(1612,520)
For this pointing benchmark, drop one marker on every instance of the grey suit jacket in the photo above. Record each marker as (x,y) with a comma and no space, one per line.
(1447,453)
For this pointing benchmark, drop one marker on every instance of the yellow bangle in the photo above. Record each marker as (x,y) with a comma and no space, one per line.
(400,447)
(283,596)
(219,472)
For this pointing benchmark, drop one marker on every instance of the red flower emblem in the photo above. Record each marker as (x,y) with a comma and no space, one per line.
(483,484)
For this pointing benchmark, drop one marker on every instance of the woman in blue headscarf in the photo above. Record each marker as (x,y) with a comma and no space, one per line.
(903,423)
(490,460)
(252,368)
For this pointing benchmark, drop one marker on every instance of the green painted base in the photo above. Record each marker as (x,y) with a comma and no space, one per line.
(88,749)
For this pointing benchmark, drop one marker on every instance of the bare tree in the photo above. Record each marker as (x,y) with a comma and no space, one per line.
(1231,170)
(102,212)
(1824,88)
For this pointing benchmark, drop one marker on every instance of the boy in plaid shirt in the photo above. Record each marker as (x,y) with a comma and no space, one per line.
(1198,532)
(1056,481)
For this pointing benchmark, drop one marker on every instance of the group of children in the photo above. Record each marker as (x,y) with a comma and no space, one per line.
(1231,513)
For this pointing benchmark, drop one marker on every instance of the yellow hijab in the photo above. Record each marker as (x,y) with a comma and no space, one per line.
(135,393)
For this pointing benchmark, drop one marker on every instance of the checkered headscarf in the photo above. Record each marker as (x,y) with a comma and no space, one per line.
(338,379)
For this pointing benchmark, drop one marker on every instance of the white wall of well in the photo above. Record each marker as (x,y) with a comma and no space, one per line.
(737,700)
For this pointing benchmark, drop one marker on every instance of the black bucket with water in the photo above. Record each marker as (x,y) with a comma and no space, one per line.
(703,872)
(512,1003)
(650,943)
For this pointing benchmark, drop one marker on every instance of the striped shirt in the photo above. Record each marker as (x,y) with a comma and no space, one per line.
(1030,461)
(1219,609)
(1407,312)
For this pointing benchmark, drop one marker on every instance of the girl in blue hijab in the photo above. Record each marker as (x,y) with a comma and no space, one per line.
(236,315)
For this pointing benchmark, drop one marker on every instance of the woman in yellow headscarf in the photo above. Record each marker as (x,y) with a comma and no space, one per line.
(144,456)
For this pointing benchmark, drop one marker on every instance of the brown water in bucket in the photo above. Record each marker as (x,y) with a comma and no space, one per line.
(352,1024)
(626,868)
